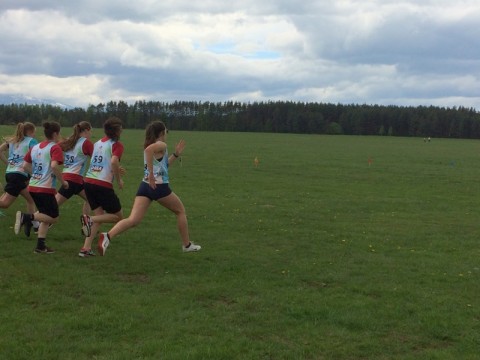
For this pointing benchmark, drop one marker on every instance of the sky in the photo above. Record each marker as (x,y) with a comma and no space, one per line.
(377,52)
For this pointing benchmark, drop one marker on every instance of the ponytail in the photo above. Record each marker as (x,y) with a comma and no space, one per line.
(113,128)
(70,142)
(152,132)
(21,131)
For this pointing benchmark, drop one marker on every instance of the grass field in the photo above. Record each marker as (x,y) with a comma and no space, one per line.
(315,254)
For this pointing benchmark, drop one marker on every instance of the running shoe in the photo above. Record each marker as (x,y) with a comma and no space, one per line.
(191,247)
(86,225)
(103,242)
(21,220)
(45,250)
(86,253)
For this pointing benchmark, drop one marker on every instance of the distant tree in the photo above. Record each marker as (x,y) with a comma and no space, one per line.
(381,132)
(334,129)
(270,116)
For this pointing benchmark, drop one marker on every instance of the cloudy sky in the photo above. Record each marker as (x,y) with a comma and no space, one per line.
(339,51)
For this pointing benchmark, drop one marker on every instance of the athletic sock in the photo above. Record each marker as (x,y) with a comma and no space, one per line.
(41,243)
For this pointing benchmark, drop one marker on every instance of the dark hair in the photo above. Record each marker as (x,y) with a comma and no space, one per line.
(20,132)
(153,131)
(113,127)
(70,142)
(49,128)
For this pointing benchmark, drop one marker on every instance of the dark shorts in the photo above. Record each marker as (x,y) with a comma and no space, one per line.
(46,204)
(73,189)
(160,191)
(15,183)
(100,196)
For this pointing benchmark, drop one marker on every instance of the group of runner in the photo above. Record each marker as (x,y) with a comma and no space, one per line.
(89,170)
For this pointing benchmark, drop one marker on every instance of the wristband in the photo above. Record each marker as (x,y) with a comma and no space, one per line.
(175,155)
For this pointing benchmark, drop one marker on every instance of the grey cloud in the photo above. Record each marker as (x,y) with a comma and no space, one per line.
(374,52)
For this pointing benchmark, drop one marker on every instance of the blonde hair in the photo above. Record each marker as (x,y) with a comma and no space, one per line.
(21,131)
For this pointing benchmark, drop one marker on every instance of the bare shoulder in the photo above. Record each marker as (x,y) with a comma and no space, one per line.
(158,147)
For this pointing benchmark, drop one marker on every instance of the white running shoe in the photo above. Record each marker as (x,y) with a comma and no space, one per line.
(18,222)
(191,247)
(103,243)
(86,225)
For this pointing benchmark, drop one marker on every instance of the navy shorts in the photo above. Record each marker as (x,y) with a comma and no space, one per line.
(101,196)
(46,204)
(15,183)
(73,189)
(160,191)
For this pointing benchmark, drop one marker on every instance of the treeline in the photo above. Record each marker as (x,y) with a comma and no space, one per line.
(278,116)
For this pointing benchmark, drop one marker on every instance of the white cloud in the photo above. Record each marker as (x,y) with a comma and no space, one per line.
(385,52)
(66,90)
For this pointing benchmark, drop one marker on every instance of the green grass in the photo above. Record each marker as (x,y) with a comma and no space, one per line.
(313,255)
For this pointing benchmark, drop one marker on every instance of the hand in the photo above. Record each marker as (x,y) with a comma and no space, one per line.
(151,181)
(179,147)
(65,184)
(122,170)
